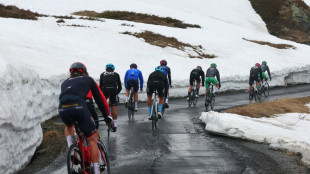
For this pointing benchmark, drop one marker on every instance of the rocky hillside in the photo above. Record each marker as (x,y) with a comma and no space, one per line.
(287,19)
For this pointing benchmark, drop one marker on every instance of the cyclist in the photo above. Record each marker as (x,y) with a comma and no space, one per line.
(255,73)
(211,73)
(157,81)
(132,78)
(111,86)
(265,68)
(163,64)
(195,74)
(72,107)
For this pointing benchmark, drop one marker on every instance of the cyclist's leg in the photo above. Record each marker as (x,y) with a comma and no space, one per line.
(136,88)
(67,116)
(216,83)
(114,110)
(251,81)
(149,92)
(207,85)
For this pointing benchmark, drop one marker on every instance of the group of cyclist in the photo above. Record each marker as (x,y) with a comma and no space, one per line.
(77,93)
(257,74)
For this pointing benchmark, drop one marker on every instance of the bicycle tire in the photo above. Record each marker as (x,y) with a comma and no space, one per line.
(195,101)
(105,164)
(212,102)
(266,89)
(154,118)
(190,101)
(131,106)
(73,166)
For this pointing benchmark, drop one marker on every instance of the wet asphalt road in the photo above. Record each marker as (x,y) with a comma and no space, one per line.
(181,145)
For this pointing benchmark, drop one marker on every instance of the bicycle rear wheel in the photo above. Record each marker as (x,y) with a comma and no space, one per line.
(266,90)
(195,99)
(207,103)
(104,159)
(212,102)
(154,118)
(131,106)
(74,160)
(190,101)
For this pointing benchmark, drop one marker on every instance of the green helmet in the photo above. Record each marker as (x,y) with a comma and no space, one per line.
(213,65)
(264,62)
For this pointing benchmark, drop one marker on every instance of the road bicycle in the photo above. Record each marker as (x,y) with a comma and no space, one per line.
(210,98)
(192,98)
(131,104)
(78,157)
(154,113)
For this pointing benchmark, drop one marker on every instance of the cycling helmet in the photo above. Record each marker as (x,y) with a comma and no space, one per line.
(199,67)
(257,64)
(163,62)
(213,65)
(78,66)
(264,62)
(133,65)
(110,65)
(159,68)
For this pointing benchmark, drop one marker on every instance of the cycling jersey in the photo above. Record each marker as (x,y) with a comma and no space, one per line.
(157,81)
(255,73)
(168,73)
(195,75)
(110,82)
(213,72)
(76,89)
(133,74)
(265,68)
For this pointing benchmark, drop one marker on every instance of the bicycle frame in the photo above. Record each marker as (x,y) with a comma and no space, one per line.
(154,112)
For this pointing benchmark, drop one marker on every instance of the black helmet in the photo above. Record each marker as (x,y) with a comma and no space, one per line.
(163,62)
(78,66)
(199,67)
(133,65)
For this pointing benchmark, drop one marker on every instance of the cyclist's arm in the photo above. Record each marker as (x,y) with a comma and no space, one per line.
(166,83)
(261,73)
(202,74)
(268,72)
(100,100)
(218,76)
(169,76)
(125,80)
(101,81)
(141,80)
(119,84)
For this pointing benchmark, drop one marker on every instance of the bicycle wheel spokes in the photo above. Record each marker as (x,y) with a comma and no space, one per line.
(74,160)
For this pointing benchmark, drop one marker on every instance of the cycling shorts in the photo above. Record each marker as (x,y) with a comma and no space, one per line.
(212,80)
(132,83)
(77,111)
(111,96)
(159,88)
(264,75)
(253,78)
(193,77)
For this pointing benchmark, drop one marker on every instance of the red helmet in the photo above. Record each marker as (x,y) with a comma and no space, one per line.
(163,62)
(257,64)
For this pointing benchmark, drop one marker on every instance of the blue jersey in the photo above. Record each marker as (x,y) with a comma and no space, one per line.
(134,74)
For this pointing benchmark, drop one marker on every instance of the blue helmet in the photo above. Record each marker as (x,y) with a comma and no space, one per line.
(110,65)
(159,68)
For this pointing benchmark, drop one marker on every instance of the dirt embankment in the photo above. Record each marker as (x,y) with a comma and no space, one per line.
(286,19)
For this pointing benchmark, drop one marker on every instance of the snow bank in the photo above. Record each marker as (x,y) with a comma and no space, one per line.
(286,131)
(26,101)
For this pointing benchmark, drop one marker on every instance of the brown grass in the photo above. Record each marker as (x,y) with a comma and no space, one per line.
(268,109)
(279,46)
(163,41)
(138,17)
(14,12)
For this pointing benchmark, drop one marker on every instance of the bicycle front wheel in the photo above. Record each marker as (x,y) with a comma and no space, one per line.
(74,160)
(104,159)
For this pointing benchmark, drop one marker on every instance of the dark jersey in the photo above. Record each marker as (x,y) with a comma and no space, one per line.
(76,89)
(198,72)
(158,78)
(213,72)
(112,80)
(255,71)
(265,68)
